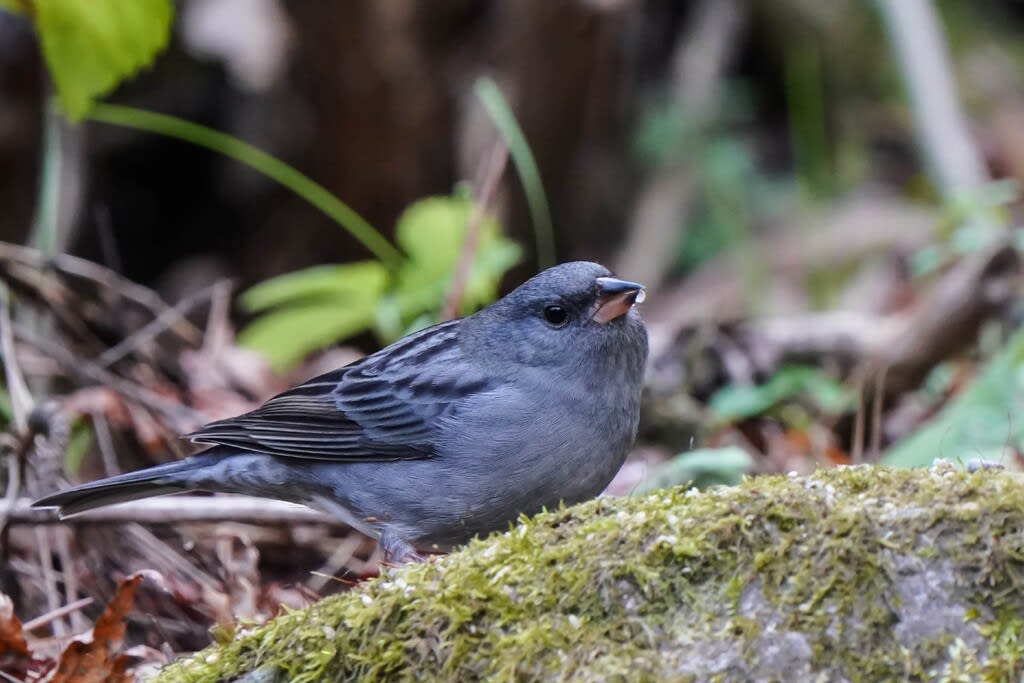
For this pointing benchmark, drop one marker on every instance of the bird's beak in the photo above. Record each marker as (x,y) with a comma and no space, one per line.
(615,297)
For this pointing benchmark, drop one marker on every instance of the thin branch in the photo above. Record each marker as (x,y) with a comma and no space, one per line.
(53,601)
(180,509)
(876,414)
(699,64)
(105,442)
(488,186)
(943,135)
(183,417)
(156,326)
(37,267)
(21,398)
(44,619)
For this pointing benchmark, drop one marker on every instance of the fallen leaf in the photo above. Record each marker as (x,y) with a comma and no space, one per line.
(95,658)
(14,654)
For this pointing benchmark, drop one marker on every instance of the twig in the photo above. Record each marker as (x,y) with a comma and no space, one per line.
(217,334)
(105,442)
(492,172)
(43,619)
(161,554)
(49,577)
(909,344)
(180,509)
(500,113)
(857,451)
(341,557)
(71,591)
(154,327)
(36,265)
(851,229)
(21,399)
(21,405)
(13,489)
(876,413)
(943,136)
(699,63)
(183,417)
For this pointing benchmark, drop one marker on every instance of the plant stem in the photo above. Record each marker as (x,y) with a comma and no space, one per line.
(229,146)
(526,167)
(44,228)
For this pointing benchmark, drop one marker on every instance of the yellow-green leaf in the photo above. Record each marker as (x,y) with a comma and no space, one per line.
(90,46)
(432,232)
(286,336)
(365,279)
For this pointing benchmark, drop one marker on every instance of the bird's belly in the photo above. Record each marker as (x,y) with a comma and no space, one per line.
(489,469)
(524,466)
(437,503)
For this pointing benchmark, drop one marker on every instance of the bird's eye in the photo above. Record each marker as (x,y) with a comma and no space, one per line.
(556,316)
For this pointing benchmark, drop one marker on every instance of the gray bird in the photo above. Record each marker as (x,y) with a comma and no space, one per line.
(449,433)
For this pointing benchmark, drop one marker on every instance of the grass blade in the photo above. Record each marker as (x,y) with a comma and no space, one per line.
(229,146)
(526,167)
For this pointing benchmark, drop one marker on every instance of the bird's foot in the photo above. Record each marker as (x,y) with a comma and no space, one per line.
(398,551)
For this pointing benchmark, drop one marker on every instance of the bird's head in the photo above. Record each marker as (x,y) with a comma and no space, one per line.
(566,313)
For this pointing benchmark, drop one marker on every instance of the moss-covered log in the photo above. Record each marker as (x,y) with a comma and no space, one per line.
(858,574)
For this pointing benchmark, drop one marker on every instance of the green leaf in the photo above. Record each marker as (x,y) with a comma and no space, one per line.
(92,46)
(983,419)
(315,307)
(286,336)
(702,468)
(737,401)
(432,232)
(79,444)
(344,282)
(318,306)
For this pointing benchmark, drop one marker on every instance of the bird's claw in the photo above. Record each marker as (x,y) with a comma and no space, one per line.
(397,551)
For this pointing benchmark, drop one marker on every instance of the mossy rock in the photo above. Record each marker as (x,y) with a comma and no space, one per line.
(853,574)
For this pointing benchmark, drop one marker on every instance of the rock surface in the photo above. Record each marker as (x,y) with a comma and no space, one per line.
(851,574)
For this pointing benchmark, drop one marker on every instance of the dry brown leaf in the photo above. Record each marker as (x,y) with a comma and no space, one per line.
(14,654)
(90,400)
(95,658)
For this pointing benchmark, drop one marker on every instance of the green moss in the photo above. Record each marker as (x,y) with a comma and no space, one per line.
(861,573)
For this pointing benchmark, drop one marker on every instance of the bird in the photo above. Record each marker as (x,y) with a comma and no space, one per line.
(451,432)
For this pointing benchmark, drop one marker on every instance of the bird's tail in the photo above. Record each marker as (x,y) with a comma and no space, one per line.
(171,477)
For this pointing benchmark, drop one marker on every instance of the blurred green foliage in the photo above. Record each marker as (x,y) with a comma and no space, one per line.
(6,411)
(734,193)
(972,222)
(79,444)
(788,383)
(307,310)
(983,421)
(90,47)
(700,468)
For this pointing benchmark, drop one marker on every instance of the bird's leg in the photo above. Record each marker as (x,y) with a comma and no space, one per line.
(396,549)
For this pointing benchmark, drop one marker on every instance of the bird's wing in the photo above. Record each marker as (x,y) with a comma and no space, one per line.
(383,407)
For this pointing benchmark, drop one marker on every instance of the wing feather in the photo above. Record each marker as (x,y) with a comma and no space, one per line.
(383,407)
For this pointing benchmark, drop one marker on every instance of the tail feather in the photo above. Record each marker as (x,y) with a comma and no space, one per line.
(155,481)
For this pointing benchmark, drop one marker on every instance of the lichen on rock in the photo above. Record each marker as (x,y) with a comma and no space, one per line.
(857,574)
